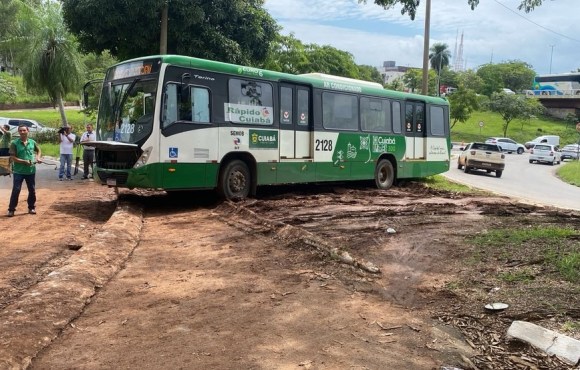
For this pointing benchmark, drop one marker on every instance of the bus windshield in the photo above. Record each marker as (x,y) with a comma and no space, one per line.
(126,111)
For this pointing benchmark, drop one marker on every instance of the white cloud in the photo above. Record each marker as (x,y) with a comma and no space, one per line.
(495,31)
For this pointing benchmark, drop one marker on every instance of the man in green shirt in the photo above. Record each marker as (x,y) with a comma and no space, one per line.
(5,139)
(24,153)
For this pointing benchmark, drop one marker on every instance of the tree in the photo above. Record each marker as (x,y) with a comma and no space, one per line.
(439,58)
(470,80)
(50,60)
(235,31)
(516,75)
(413,79)
(512,107)
(491,77)
(410,6)
(462,102)
(369,73)
(286,54)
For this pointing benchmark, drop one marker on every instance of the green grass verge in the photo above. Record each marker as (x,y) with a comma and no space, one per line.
(50,117)
(555,246)
(570,172)
(518,130)
(24,96)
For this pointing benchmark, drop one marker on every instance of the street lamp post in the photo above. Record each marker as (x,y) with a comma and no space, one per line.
(551,54)
(426,48)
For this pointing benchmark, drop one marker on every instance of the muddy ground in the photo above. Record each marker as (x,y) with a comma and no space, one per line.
(313,277)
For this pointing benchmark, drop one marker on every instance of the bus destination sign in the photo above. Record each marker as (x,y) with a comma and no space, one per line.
(133,69)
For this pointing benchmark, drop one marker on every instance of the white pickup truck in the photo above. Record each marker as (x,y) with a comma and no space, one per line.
(482,156)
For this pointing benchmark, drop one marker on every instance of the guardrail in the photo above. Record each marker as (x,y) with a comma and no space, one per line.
(560,94)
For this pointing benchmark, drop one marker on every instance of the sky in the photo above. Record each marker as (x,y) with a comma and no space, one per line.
(496,31)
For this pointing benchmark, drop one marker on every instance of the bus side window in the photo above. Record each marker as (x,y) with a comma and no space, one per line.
(396,109)
(286,106)
(200,105)
(170,106)
(303,106)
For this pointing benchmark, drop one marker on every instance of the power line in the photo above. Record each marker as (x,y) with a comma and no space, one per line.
(537,24)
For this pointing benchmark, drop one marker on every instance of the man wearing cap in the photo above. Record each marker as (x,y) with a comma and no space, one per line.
(88,151)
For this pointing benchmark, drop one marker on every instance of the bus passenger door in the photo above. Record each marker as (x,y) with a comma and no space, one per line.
(415,130)
(295,133)
(295,122)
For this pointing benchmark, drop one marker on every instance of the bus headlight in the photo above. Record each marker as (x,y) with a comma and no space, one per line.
(143,158)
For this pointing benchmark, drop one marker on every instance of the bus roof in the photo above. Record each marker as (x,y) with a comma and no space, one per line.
(572,76)
(318,80)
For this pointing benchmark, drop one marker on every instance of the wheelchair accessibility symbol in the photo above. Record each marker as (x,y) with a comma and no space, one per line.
(173,152)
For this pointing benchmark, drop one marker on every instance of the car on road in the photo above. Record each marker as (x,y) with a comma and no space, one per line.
(507,91)
(545,153)
(506,144)
(33,126)
(482,156)
(570,151)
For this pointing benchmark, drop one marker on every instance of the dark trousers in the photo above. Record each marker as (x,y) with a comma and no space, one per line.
(17,186)
(88,159)
(4,152)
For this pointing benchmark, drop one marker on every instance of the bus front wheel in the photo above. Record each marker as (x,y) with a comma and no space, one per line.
(384,174)
(235,181)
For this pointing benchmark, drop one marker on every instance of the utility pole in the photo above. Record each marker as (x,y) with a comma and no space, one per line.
(426,48)
(551,54)
(163,37)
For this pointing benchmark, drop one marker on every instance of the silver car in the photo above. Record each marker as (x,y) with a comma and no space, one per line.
(506,144)
(570,151)
(33,126)
(545,153)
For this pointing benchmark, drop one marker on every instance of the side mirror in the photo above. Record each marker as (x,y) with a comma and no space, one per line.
(85,102)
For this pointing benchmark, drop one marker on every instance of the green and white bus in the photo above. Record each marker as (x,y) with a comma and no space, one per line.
(181,123)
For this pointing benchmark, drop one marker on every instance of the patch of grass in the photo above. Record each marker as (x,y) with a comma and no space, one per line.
(568,266)
(522,276)
(518,130)
(50,117)
(439,182)
(571,326)
(24,96)
(570,173)
(515,237)
(552,245)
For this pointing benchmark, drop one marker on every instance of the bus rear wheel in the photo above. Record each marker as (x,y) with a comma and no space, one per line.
(384,174)
(235,181)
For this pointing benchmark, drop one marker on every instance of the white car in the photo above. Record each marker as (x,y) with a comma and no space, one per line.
(570,151)
(545,153)
(33,126)
(506,144)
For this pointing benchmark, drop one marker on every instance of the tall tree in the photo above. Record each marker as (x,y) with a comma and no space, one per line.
(50,60)
(439,56)
(235,31)
(512,107)
(410,6)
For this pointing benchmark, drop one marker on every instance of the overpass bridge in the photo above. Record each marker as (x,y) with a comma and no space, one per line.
(559,103)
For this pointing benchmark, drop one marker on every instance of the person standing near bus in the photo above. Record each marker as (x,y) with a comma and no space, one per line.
(88,151)
(5,140)
(24,153)
(67,140)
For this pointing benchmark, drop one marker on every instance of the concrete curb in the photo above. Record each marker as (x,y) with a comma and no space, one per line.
(32,322)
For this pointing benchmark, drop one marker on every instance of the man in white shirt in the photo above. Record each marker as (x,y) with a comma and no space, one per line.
(67,140)
(88,151)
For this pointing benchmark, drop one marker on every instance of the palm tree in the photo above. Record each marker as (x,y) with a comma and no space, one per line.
(50,60)
(439,58)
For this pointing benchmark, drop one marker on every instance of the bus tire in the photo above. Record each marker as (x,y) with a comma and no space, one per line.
(384,174)
(498,173)
(235,181)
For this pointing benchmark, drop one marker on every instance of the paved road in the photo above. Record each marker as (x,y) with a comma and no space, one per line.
(531,183)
